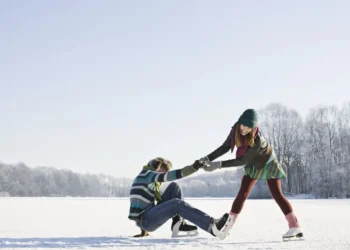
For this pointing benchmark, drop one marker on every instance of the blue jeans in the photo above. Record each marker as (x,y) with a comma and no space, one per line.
(173,204)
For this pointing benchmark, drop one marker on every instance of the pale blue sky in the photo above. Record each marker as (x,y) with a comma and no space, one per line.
(104,86)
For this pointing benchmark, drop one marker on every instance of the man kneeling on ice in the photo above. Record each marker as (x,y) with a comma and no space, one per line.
(151,209)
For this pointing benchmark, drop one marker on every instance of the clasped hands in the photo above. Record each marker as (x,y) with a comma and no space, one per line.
(210,165)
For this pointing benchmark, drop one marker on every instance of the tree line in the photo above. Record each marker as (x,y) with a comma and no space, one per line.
(314,152)
(21,180)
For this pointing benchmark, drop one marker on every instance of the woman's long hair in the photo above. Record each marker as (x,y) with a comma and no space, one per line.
(241,140)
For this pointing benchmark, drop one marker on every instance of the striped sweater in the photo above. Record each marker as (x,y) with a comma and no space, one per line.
(143,189)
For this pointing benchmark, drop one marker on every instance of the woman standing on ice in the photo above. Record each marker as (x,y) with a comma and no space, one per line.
(260,162)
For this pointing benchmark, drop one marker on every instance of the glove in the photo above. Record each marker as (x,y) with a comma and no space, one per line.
(211,166)
(204,158)
(142,234)
(199,164)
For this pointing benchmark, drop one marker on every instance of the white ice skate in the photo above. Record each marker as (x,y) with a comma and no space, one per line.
(225,230)
(294,233)
(180,233)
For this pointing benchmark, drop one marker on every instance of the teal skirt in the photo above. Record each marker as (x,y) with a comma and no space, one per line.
(272,170)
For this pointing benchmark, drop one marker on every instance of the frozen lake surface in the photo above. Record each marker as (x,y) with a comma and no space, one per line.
(102,223)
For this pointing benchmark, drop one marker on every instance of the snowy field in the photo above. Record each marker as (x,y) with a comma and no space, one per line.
(93,223)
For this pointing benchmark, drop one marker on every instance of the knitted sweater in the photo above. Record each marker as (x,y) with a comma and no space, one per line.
(258,155)
(143,192)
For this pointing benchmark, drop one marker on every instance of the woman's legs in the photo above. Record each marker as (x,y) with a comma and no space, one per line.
(243,194)
(276,192)
(286,207)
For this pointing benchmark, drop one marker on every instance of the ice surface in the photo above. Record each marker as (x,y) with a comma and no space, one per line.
(101,223)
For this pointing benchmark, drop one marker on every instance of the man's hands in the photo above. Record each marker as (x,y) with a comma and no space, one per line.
(199,164)
(142,234)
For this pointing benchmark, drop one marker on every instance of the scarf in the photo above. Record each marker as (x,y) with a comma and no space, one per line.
(158,194)
(243,148)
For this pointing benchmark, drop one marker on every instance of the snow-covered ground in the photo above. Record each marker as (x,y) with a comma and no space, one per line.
(93,223)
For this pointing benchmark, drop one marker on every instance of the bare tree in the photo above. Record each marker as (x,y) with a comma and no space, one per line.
(326,128)
(284,129)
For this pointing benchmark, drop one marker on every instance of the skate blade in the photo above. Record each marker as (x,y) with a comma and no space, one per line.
(182,234)
(298,237)
(177,233)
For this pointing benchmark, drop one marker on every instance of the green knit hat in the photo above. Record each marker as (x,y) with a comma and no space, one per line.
(249,118)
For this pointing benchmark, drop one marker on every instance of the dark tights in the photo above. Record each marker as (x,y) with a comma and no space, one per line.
(275,189)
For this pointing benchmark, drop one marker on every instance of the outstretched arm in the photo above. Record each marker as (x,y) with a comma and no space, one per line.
(223,149)
(245,159)
(260,147)
(174,174)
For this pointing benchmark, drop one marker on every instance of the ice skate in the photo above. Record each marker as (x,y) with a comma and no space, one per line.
(222,227)
(294,233)
(180,228)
